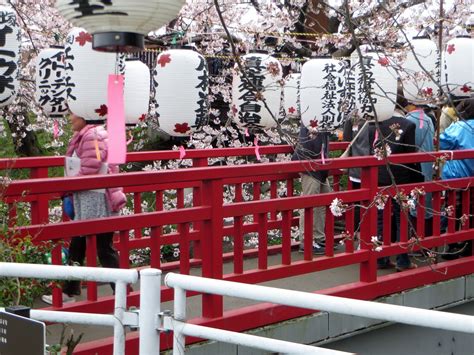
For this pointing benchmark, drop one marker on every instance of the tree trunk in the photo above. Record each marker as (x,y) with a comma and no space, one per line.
(28,145)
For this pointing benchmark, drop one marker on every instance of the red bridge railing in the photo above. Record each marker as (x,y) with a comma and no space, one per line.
(201,224)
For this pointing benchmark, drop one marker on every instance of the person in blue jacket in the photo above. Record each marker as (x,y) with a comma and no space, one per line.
(460,135)
(422,117)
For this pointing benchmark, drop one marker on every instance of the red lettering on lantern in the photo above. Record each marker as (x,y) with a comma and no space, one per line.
(383,61)
(181,127)
(164,59)
(83,38)
(428,91)
(102,110)
(450,48)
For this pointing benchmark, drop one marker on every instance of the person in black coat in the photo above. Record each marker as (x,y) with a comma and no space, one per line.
(396,135)
(310,147)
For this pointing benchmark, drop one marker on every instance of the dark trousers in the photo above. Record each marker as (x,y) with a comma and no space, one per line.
(356,186)
(108,257)
(402,259)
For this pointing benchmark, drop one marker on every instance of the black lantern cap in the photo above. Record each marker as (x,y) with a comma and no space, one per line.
(423,36)
(118,42)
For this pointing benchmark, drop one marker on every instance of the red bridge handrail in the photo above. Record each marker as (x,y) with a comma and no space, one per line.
(272,212)
(58,161)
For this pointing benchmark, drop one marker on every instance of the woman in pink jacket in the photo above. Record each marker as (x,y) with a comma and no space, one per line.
(89,144)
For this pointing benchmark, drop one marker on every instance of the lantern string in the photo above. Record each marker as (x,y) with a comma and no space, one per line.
(117,60)
(231,57)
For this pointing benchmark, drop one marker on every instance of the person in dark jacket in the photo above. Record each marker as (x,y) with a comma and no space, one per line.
(396,136)
(310,147)
(356,129)
(423,118)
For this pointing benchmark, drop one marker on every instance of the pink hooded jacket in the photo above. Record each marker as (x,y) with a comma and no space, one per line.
(84,144)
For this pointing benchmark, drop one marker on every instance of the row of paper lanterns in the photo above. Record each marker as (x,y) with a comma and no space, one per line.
(321,95)
(77,74)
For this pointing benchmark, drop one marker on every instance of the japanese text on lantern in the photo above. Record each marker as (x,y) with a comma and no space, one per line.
(8,58)
(329,98)
(249,109)
(94,8)
(68,67)
(366,89)
(52,83)
(201,111)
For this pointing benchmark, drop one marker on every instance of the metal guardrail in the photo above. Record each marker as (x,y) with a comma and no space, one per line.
(121,278)
(367,309)
(151,321)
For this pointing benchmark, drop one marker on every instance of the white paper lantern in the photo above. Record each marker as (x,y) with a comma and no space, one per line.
(87,73)
(291,95)
(9,55)
(381,81)
(136,91)
(322,92)
(417,84)
(51,88)
(181,90)
(119,25)
(265,74)
(459,58)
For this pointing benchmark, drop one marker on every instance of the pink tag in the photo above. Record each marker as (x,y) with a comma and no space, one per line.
(322,154)
(116,120)
(130,138)
(182,152)
(376,137)
(422,118)
(55,129)
(257,148)
(246,132)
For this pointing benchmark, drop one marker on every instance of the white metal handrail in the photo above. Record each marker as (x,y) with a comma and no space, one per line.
(120,277)
(367,309)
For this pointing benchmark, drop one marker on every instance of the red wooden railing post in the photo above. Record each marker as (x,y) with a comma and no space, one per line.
(137,208)
(211,241)
(262,231)
(286,237)
(198,163)
(91,261)
(155,235)
(238,235)
(369,180)
(39,206)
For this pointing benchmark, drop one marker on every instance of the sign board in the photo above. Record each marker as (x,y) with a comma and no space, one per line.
(20,335)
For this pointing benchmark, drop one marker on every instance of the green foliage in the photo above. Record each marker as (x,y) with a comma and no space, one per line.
(16,291)
(15,249)
(66,345)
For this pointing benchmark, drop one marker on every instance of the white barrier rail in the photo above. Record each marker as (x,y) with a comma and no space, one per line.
(253,341)
(147,319)
(120,277)
(367,309)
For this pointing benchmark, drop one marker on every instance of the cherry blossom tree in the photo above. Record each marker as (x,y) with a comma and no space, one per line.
(294,29)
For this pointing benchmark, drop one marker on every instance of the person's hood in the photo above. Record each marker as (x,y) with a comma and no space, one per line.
(466,109)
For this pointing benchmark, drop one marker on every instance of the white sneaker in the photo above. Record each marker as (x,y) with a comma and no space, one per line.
(66,299)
